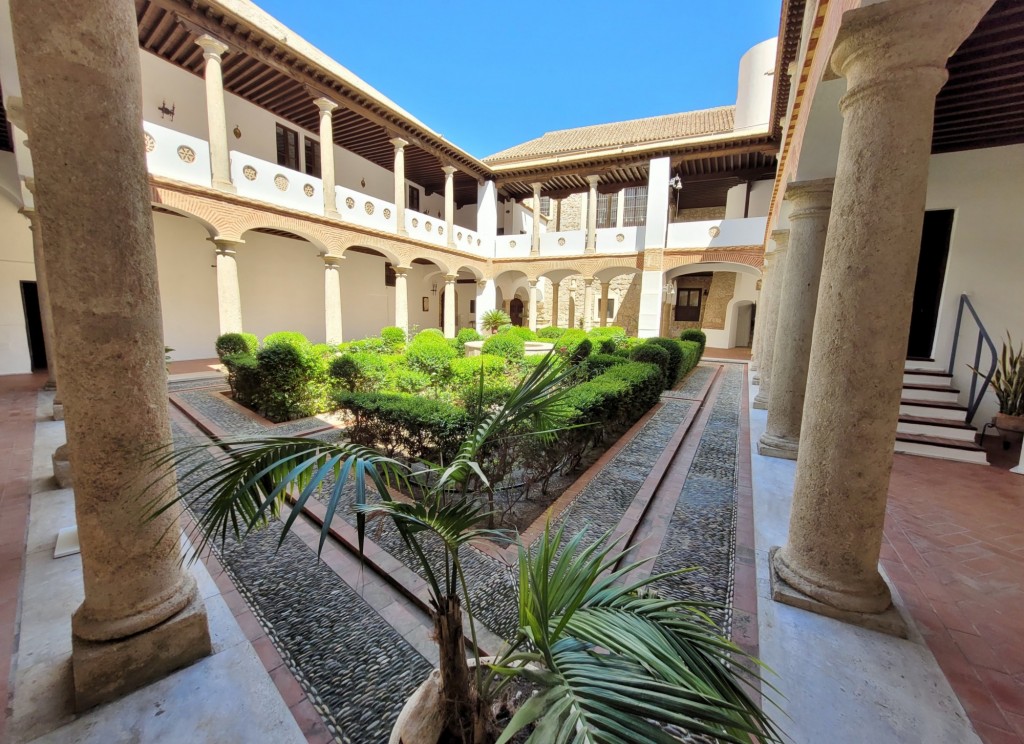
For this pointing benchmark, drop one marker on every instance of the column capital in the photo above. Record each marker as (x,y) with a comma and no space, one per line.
(211,46)
(331,262)
(593,181)
(781,238)
(902,44)
(226,246)
(810,198)
(398,142)
(536,186)
(31,215)
(401,270)
(448,170)
(30,184)
(326,105)
(532,283)
(451,278)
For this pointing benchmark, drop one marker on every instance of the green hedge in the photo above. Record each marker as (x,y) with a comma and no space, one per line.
(675,358)
(292,378)
(613,334)
(393,338)
(522,332)
(695,334)
(692,352)
(506,345)
(550,332)
(431,354)
(236,343)
(654,354)
(360,371)
(290,338)
(598,364)
(414,425)
(466,370)
(463,337)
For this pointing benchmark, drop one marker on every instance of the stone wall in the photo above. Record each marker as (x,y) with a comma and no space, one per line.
(697,214)
(569,214)
(720,286)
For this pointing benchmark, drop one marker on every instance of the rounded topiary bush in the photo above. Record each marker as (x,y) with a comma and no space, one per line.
(291,379)
(613,334)
(695,334)
(550,332)
(600,363)
(568,342)
(236,343)
(393,337)
(506,345)
(524,333)
(675,356)
(292,338)
(429,332)
(360,371)
(653,354)
(466,371)
(431,354)
(463,337)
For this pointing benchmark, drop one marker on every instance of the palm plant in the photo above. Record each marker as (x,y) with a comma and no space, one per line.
(665,653)
(492,320)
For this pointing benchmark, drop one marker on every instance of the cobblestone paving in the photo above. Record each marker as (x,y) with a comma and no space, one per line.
(693,383)
(702,530)
(357,670)
(210,403)
(176,386)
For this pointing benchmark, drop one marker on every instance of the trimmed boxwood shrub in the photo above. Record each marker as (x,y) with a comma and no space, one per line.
(550,332)
(691,351)
(466,370)
(653,354)
(292,378)
(494,394)
(675,357)
(600,363)
(523,332)
(419,426)
(429,332)
(645,388)
(695,334)
(292,338)
(361,371)
(393,338)
(406,380)
(463,337)
(431,354)
(507,345)
(615,334)
(373,344)
(236,343)
(243,377)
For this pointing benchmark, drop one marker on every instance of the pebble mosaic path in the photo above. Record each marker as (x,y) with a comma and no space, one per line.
(358,671)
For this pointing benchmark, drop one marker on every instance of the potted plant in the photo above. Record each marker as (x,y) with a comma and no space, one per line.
(607,659)
(492,320)
(1008,385)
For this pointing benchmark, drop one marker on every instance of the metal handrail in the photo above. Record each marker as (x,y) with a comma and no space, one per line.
(975,395)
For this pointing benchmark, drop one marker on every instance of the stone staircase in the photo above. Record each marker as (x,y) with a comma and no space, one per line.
(932,422)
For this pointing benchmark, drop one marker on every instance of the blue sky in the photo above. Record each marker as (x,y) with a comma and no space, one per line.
(488,76)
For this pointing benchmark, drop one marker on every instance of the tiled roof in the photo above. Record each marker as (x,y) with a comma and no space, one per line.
(622,133)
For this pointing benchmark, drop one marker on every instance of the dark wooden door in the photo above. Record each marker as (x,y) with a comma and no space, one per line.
(515,311)
(931,272)
(33,325)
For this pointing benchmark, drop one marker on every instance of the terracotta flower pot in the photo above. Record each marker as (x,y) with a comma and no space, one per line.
(1006,422)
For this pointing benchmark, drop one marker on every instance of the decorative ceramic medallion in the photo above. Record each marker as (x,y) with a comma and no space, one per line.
(478,242)
(387,213)
(714,231)
(368,207)
(415,222)
(619,238)
(459,236)
(249,172)
(561,241)
(350,202)
(150,142)
(429,226)
(511,244)
(281,182)
(187,154)
(440,229)
(308,189)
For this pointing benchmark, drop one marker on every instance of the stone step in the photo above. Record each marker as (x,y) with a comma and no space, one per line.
(941,448)
(933,409)
(936,427)
(923,363)
(931,391)
(926,377)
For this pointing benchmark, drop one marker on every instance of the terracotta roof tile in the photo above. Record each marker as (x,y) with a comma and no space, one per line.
(622,133)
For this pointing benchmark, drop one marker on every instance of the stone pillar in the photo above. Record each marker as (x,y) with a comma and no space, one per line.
(332,298)
(603,309)
(327,106)
(771,318)
(42,288)
(450,299)
(555,286)
(592,214)
(893,55)
(656,229)
(588,303)
(767,277)
(808,226)
(535,241)
(400,144)
(620,208)
(142,616)
(229,299)
(449,203)
(532,322)
(217,125)
(402,298)
(486,299)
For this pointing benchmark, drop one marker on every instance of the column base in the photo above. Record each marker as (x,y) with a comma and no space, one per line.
(50,385)
(62,466)
(888,621)
(104,671)
(761,401)
(334,214)
(756,379)
(225,186)
(58,411)
(783,447)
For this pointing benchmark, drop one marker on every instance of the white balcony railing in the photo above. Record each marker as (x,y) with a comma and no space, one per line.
(177,156)
(469,241)
(717,233)
(511,246)
(368,211)
(620,239)
(563,243)
(424,227)
(273,183)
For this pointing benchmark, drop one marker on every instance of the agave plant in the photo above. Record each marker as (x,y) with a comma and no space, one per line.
(663,662)
(1008,379)
(492,320)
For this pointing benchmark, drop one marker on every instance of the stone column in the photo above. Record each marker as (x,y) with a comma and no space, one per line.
(532,323)
(402,298)
(808,219)
(771,319)
(893,55)
(555,286)
(326,107)
(486,299)
(535,241)
(142,616)
(400,144)
(620,208)
(217,126)
(603,310)
(332,298)
(229,298)
(767,274)
(588,303)
(592,214)
(42,288)
(450,299)
(449,203)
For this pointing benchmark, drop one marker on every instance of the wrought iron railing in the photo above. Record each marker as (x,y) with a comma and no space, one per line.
(976,393)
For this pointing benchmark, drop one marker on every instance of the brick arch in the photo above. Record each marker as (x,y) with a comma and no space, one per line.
(752,257)
(587,265)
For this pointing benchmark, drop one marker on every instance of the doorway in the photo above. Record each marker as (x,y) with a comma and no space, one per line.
(33,325)
(515,311)
(931,273)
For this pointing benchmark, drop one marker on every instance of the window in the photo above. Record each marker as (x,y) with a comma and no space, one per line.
(472,307)
(389,275)
(545,206)
(635,212)
(607,207)
(414,198)
(312,157)
(610,312)
(287,147)
(688,304)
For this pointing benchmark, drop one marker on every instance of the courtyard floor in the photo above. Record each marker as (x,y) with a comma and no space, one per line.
(344,641)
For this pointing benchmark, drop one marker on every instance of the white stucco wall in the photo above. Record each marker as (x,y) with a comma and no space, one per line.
(754,89)
(366,304)
(986,256)
(16,266)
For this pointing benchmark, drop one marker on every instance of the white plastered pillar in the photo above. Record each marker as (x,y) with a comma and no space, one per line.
(216,118)
(229,298)
(592,214)
(532,323)
(449,305)
(402,298)
(535,239)
(399,145)
(449,203)
(327,107)
(332,299)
